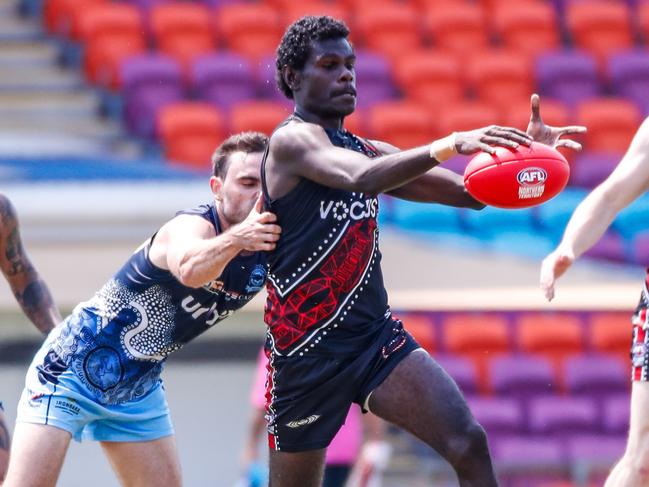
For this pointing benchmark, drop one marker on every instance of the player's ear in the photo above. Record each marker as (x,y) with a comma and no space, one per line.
(292,77)
(216,185)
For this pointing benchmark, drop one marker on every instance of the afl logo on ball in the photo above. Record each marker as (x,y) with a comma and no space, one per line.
(531,176)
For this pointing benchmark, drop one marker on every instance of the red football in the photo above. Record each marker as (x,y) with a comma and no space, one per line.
(526,176)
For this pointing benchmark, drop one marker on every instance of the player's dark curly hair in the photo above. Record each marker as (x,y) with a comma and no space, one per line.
(293,51)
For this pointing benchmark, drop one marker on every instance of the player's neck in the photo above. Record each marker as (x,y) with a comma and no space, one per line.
(335,122)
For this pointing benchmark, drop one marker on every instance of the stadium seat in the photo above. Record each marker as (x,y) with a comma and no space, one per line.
(477,336)
(467,115)
(422,329)
(500,77)
(562,416)
(631,221)
(293,10)
(149,83)
(401,123)
(492,221)
(591,168)
(553,215)
(498,415)
(182,30)
(595,375)
(616,413)
(356,122)
(610,332)
(595,454)
(600,27)
(568,76)
(610,247)
(59,15)
(251,29)
(553,112)
(432,78)
(146,5)
(423,217)
(265,80)
(462,370)
(373,79)
(629,75)
(642,18)
(261,116)
(522,376)
(223,79)
(611,123)
(111,32)
(640,248)
(389,29)
(459,30)
(190,132)
(553,335)
(528,27)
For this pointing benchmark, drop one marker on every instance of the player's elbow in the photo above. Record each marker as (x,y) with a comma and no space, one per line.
(188,277)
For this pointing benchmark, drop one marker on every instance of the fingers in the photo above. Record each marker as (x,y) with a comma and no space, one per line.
(535,103)
(573,129)
(486,148)
(266,217)
(259,204)
(547,278)
(500,141)
(570,144)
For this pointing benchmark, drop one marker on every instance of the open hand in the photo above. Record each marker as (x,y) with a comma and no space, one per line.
(552,268)
(258,232)
(548,135)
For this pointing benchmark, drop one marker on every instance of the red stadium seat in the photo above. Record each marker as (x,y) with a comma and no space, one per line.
(610,332)
(530,28)
(190,132)
(111,32)
(251,29)
(389,29)
(356,123)
(260,116)
(599,26)
(611,123)
(295,10)
(554,336)
(422,329)
(553,112)
(182,30)
(433,78)
(500,77)
(459,30)
(479,337)
(58,15)
(467,116)
(642,18)
(401,123)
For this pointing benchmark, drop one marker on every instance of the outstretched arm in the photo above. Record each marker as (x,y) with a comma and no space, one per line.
(596,213)
(188,247)
(30,290)
(303,150)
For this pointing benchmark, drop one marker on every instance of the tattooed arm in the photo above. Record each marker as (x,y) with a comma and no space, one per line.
(30,290)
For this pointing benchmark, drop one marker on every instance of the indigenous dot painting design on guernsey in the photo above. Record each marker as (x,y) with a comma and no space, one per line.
(640,320)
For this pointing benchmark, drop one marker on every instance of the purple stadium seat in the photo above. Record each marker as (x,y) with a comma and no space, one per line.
(629,74)
(150,82)
(462,370)
(498,415)
(640,248)
(525,461)
(616,413)
(595,376)
(610,247)
(373,79)
(595,454)
(223,79)
(522,376)
(569,76)
(145,5)
(265,78)
(591,168)
(562,416)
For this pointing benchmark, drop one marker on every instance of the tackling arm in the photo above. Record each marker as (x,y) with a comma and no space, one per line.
(29,289)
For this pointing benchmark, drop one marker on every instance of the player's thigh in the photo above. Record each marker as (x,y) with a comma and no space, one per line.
(420,397)
(37,455)
(300,469)
(145,463)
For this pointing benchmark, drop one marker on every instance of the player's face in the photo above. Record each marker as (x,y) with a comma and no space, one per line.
(237,192)
(328,80)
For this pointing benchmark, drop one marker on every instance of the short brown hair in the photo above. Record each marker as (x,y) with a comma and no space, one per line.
(242,142)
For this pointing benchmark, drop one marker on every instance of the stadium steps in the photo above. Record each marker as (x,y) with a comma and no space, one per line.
(44,107)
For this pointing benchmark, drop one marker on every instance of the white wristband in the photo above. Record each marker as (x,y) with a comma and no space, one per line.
(443,149)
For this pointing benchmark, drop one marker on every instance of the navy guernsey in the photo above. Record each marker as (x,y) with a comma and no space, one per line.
(117,341)
(325,287)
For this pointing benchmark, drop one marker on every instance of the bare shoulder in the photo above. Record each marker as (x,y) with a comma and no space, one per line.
(294,139)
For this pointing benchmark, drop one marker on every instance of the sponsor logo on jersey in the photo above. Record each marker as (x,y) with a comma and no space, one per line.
(68,406)
(355,210)
(303,422)
(191,305)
